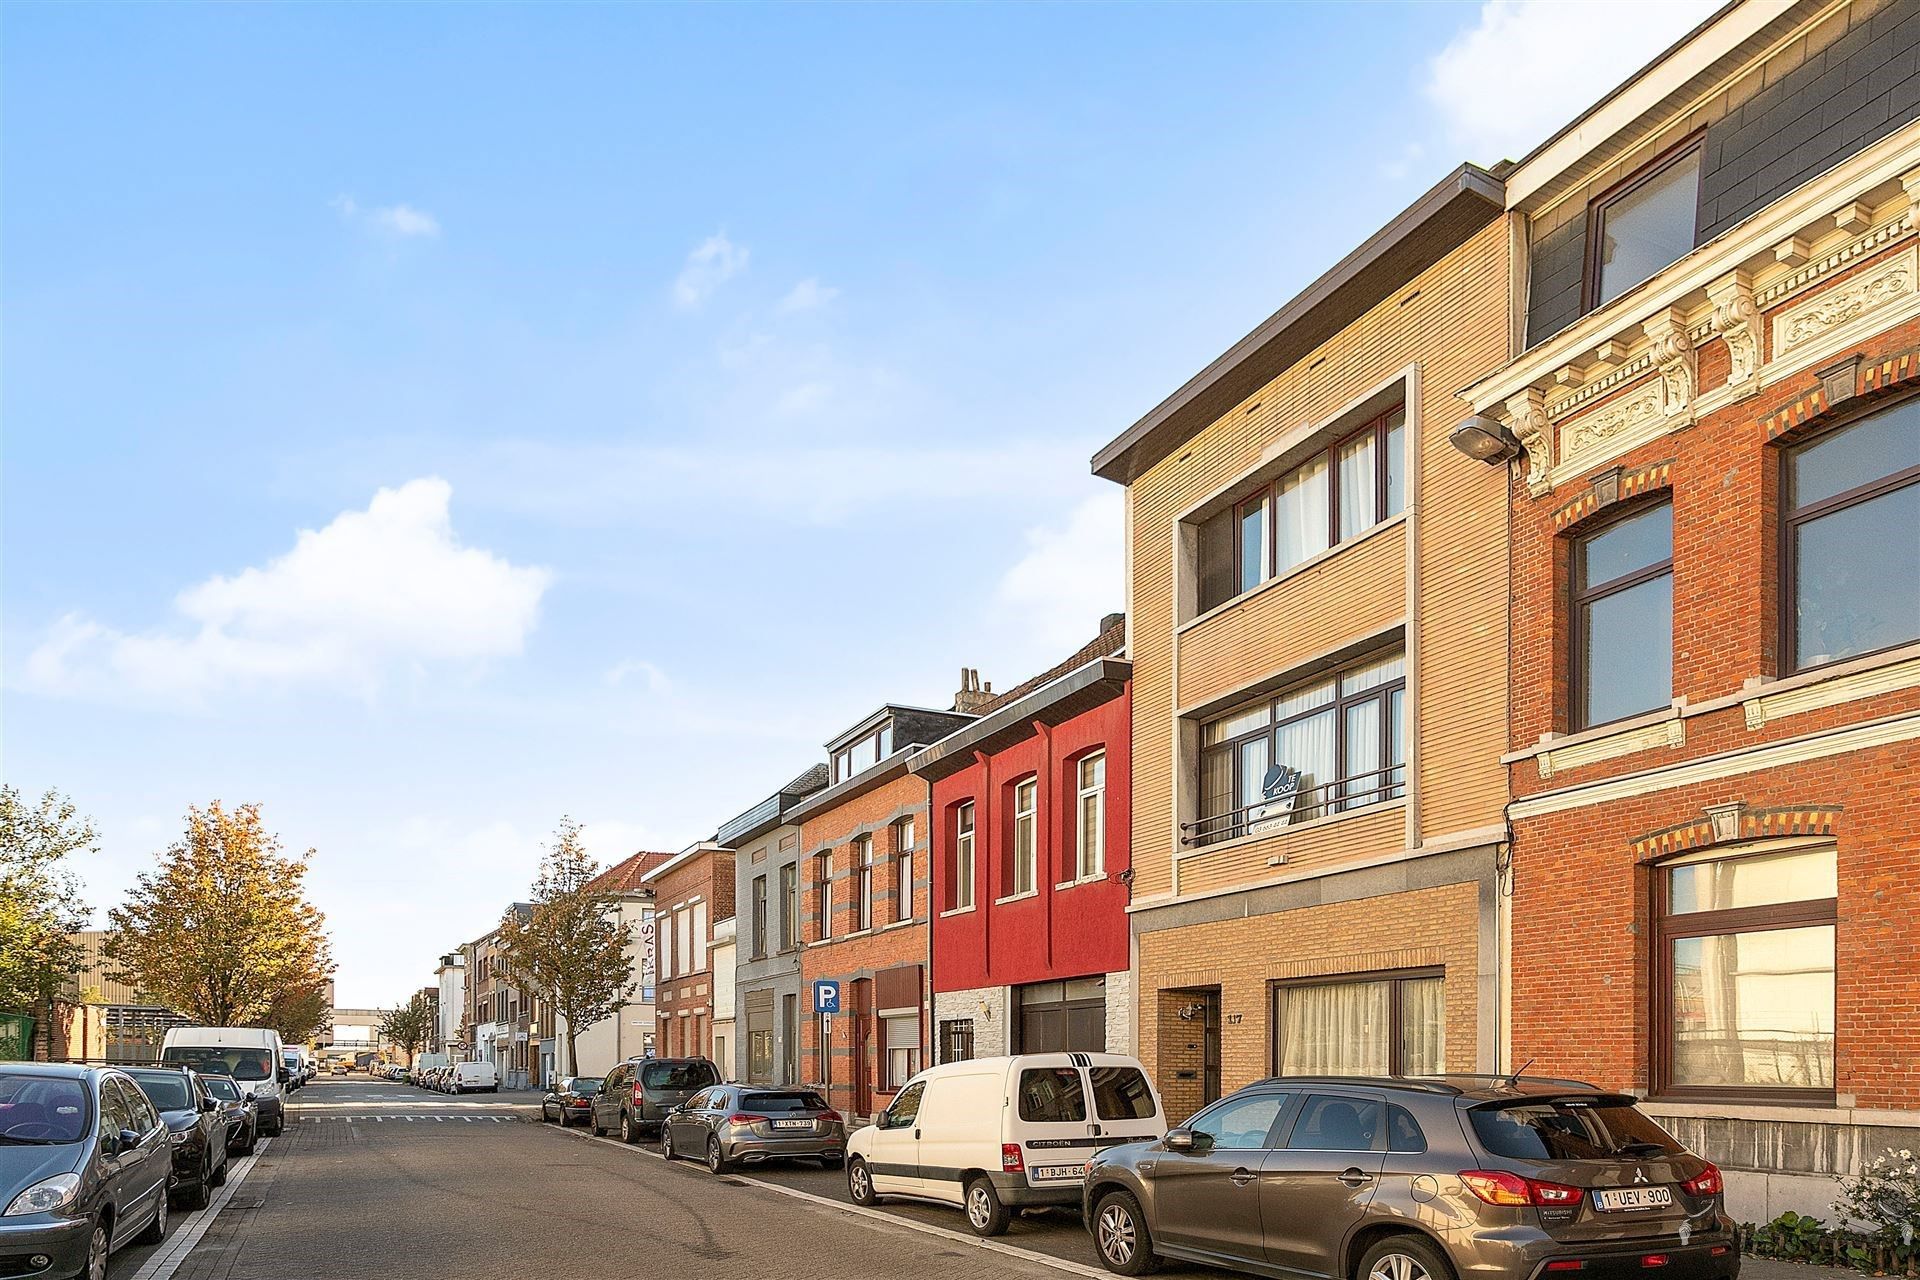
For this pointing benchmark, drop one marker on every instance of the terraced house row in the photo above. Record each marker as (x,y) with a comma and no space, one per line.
(1520,668)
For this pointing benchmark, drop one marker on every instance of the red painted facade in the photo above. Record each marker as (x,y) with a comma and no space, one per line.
(1063,929)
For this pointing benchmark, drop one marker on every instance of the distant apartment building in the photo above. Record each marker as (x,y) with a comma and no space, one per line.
(499,1013)
(1029,841)
(767,894)
(1715,647)
(1316,611)
(629,1031)
(451,975)
(693,892)
(864,906)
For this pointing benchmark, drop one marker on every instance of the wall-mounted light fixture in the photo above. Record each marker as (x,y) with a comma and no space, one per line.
(1484,438)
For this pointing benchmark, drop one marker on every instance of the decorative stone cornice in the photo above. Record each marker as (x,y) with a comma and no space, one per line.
(1736,318)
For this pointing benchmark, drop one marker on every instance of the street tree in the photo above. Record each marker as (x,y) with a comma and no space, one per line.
(40,903)
(222,931)
(409,1025)
(571,948)
(300,1012)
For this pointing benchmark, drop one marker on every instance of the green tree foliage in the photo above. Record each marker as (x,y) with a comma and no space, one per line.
(40,903)
(222,931)
(409,1025)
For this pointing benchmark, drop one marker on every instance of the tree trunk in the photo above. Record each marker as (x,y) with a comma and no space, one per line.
(573,1056)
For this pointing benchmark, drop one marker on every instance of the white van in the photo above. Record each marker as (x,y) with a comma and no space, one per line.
(473,1077)
(251,1055)
(995,1134)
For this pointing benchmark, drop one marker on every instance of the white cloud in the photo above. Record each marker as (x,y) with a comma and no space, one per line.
(714,262)
(1529,66)
(374,589)
(1070,576)
(644,674)
(397,219)
(808,295)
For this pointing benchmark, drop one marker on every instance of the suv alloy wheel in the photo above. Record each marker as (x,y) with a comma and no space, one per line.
(1120,1233)
(629,1132)
(1405,1258)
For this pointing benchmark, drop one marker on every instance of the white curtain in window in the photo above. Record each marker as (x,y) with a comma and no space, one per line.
(1361,767)
(1423,1026)
(1300,515)
(1357,487)
(1336,1029)
(1307,745)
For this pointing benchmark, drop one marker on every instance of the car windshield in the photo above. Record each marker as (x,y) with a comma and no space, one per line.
(799,1100)
(166,1091)
(1570,1129)
(223,1088)
(241,1064)
(583,1085)
(42,1109)
(677,1075)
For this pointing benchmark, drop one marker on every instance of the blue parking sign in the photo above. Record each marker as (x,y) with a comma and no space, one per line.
(826,996)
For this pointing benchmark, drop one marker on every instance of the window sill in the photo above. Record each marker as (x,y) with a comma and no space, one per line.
(956,911)
(897,924)
(1310,563)
(1665,727)
(1016,897)
(1098,877)
(1827,686)
(1241,842)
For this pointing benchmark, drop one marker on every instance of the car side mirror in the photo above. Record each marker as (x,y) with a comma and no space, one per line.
(248,1096)
(1187,1142)
(208,1106)
(126,1141)
(285,1075)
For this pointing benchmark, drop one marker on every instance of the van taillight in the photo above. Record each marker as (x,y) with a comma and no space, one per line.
(1010,1161)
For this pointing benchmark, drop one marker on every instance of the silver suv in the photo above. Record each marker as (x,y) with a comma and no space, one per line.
(1430,1178)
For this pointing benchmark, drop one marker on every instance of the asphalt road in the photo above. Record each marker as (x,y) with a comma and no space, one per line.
(384,1178)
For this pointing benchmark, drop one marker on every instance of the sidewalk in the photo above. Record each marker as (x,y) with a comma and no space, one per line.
(1774,1269)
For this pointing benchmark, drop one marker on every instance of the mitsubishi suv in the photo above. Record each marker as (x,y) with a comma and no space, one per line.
(1405,1178)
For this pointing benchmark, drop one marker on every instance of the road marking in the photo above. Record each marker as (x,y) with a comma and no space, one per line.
(174,1250)
(876,1215)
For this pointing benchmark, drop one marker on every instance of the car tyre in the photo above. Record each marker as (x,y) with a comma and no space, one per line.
(253,1140)
(1121,1236)
(157,1229)
(717,1162)
(860,1183)
(98,1248)
(194,1195)
(629,1131)
(593,1125)
(1405,1257)
(986,1213)
(219,1178)
(666,1143)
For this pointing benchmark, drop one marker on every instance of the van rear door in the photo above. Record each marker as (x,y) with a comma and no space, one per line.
(1051,1124)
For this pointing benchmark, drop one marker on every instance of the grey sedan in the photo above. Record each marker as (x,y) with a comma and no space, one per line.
(731,1124)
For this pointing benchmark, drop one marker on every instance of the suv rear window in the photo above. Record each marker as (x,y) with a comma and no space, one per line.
(677,1075)
(1121,1093)
(1052,1095)
(774,1103)
(1569,1129)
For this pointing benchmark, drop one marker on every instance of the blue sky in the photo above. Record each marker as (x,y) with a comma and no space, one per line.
(427,421)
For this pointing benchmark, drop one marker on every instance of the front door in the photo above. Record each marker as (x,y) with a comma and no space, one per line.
(1209,1198)
(895,1159)
(1317,1186)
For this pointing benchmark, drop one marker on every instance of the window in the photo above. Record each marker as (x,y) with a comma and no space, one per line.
(864,754)
(1329,1122)
(1642,226)
(1090,818)
(1622,658)
(956,1040)
(904,1109)
(962,857)
(1243,1123)
(1121,1093)
(823,879)
(790,906)
(1403,1131)
(1320,749)
(1391,1025)
(903,835)
(759,917)
(863,882)
(1746,981)
(1560,1129)
(902,1038)
(1020,867)
(759,1055)
(697,930)
(1052,1095)
(1858,486)
(1332,497)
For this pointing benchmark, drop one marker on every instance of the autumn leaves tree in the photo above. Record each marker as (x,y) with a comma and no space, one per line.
(40,903)
(409,1025)
(572,947)
(222,931)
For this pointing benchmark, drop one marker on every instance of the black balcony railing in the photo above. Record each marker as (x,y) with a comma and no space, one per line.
(1276,812)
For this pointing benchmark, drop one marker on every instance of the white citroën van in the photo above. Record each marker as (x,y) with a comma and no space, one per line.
(474,1077)
(253,1056)
(996,1134)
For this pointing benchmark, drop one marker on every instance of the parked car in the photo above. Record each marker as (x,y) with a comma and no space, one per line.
(195,1129)
(640,1092)
(473,1077)
(995,1134)
(731,1124)
(570,1100)
(251,1055)
(341,1066)
(1414,1179)
(295,1069)
(241,1112)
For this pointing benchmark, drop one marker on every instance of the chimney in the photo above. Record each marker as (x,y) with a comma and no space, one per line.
(1111,621)
(972,695)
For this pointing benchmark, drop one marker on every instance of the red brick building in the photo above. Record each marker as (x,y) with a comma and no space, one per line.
(692,891)
(863,878)
(1715,622)
(1030,854)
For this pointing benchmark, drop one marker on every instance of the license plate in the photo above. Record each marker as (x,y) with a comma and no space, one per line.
(1059,1172)
(1632,1198)
(793,1124)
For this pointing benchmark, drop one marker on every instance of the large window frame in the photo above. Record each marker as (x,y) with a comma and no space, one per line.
(1263,502)
(1690,148)
(1396,1009)
(1090,815)
(1582,596)
(904,835)
(850,759)
(863,882)
(1794,519)
(1669,928)
(965,836)
(823,867)
(1023,843)
(759,918)
(789,906)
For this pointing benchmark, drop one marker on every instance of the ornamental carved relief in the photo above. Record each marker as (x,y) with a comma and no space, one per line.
(1527,419)
(1673,355)
(1636,409)
(1736,318)
(1872,290)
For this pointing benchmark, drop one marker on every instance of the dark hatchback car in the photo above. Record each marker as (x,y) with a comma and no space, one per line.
(239,1109)
(196,1131)
(570,1101)
(1429,1178)
(83,1169)
(731,1124)
(640,1092)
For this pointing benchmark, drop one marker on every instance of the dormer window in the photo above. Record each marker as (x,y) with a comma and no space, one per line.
(1643,226)
(863,753)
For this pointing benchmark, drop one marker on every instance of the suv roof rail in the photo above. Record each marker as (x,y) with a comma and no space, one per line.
(1498,1077)
(1423,1084)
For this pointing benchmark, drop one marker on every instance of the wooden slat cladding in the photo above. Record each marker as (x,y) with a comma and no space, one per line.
(1283,626)
(1450,324)
(1327,844)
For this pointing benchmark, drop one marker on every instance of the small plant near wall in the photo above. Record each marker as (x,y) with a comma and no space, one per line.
(1882,1204)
